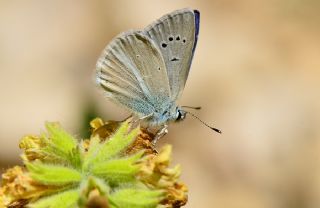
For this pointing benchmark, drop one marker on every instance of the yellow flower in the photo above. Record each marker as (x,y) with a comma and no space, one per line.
(31,145)
(18,187)
(116,167)
(155,172)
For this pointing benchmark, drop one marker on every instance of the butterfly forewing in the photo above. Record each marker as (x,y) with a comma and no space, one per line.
(132,71)
(176,36)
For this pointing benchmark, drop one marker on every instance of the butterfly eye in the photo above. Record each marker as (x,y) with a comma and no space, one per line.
(180,115)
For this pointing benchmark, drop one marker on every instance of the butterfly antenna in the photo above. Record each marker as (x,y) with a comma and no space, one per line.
(214,129)
(195,108)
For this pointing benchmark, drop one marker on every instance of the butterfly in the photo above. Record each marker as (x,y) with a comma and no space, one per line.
(146,70)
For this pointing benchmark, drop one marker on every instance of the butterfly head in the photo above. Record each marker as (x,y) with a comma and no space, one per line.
(180,114)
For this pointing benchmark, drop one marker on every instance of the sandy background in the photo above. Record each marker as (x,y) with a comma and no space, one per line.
(256,73)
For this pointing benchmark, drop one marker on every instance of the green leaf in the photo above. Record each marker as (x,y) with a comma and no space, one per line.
(133,198)
(117,143)
(94,149)
(53,174)
(64,199)
(62,145)
(61,138)
(90,184)
(99,184)
(94,183)
(118,170)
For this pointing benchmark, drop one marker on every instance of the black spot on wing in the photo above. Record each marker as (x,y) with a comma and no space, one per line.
(164,45)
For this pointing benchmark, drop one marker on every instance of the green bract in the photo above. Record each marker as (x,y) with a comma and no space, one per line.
(76,172)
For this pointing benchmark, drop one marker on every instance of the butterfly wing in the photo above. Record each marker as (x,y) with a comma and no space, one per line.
(132,72)
(176,35)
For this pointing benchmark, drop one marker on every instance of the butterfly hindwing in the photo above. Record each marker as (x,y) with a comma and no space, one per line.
(176,36)
(132,72)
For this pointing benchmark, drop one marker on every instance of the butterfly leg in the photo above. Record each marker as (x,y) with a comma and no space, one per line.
(128,117)
(138,120)
(144,117)
(163,131)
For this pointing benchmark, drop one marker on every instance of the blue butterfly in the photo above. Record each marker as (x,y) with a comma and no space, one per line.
(146,70)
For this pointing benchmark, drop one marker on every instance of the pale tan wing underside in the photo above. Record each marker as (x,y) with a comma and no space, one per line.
(174,34)
(132,71)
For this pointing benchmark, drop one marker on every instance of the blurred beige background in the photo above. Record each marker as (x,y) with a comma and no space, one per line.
(256,73)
